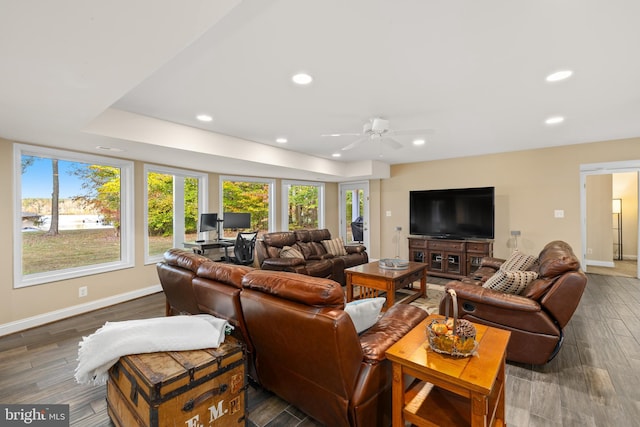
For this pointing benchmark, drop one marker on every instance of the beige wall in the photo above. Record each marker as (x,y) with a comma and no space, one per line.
(530,186)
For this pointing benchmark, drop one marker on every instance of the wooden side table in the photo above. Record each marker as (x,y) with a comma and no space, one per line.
(449,390)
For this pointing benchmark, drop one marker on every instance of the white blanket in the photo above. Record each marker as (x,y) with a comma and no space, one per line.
(102,349)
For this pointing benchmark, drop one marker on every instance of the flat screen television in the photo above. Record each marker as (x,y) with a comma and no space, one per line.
(460,213)
(208,221)
(236,220)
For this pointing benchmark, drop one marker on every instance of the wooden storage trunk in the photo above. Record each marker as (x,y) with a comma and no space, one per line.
(196,388)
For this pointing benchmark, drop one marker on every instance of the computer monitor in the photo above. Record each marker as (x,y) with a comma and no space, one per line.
(208,221)
(236,220)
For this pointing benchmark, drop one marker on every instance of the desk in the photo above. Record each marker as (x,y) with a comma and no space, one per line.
(449,390)
(200,247)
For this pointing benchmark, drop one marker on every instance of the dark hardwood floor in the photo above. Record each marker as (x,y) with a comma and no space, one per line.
(592,382)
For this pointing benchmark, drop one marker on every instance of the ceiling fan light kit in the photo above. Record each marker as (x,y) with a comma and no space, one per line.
(379,125)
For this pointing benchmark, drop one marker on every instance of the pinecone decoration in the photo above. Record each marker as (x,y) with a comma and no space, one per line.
(465,329)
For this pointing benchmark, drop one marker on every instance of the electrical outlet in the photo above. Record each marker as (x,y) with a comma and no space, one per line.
(83,291)
(398,228)
(589,251)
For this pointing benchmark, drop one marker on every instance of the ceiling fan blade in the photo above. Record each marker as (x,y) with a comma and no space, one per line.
(340,134)
(413,132)
(354,144)
(390,142)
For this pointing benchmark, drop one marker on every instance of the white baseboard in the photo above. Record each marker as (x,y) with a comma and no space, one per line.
(42,319)
(596,263)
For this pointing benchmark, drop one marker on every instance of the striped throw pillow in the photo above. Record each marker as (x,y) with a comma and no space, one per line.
(510,282)
(289,252)
(518,261)
(335,246)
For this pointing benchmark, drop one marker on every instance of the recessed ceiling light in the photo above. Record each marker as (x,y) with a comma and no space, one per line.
(559,75)
(281,140)
(336,155)
(554,120)
(418,142)
(302,79)
(204,117)
(105,148)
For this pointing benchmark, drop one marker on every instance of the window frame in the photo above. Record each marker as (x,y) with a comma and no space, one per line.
(285,201)
(127,224)
(180,174)
(272,197)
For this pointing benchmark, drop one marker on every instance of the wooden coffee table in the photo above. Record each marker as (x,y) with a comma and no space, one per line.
(449,390)
(372,280)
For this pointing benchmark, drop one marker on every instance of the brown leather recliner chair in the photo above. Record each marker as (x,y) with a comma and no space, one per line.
(535,317)
(307,350)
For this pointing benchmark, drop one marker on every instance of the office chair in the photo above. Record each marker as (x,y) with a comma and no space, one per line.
(244,248)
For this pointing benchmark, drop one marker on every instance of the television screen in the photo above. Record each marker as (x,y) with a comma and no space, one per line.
(208,221)
(455,213)
(236,220)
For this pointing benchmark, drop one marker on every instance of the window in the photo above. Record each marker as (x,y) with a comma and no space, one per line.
(73,215)
(173,201)
(251,195)
(303,205)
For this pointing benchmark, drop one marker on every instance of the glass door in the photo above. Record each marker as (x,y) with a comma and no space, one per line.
(354,213)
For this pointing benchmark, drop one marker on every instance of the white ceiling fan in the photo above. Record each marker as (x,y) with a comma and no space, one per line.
(377,129)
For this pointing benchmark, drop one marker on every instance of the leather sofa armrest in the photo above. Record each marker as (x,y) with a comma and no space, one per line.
(491,262)
(472,293)
(393,325)
(355,249)
(282,263)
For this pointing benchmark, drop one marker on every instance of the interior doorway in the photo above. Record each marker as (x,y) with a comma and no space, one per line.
(609,210)
(354,212)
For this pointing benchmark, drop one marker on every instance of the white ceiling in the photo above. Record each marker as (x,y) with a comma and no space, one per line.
(132,75)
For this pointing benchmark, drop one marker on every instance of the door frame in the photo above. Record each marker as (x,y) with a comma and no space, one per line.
(343,187)
(608,168)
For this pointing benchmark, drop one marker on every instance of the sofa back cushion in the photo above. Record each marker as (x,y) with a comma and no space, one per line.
(314,235)
(184,259)
(306,351)
(228,274)
(557,258)
(279,239)
(311,291)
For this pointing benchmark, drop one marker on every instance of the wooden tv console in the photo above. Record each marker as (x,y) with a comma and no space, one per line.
(449,258)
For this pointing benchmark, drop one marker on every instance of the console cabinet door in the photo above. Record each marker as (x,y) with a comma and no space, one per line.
(449,258)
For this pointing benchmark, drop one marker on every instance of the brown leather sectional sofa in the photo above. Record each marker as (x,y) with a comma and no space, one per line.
(536,317)
(316,261)
(301,344)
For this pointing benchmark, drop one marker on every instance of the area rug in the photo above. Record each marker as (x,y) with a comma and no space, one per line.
(431,304)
